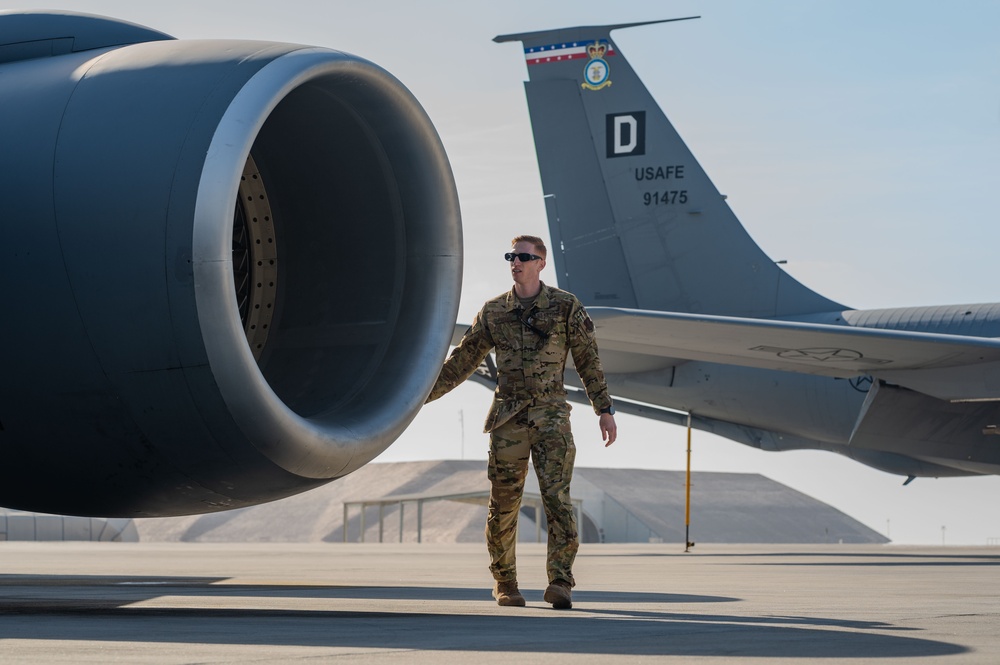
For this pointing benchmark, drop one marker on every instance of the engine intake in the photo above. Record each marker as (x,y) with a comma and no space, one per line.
(236,268)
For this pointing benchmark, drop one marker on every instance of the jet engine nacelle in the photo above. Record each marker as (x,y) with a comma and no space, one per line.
(231,268)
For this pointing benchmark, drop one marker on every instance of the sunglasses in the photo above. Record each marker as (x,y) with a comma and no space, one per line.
(524,257)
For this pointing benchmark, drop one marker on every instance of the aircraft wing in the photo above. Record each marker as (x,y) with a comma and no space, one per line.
(459,332)
(951,367)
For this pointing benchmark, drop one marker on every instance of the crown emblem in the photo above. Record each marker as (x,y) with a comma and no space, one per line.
(596,74)
(596,50)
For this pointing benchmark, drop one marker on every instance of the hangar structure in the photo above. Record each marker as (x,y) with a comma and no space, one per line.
(615,506)
(27,526)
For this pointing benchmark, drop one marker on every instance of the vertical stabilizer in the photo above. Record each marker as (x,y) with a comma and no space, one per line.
(634,220)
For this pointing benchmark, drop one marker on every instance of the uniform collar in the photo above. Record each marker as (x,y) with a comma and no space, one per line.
(541,300)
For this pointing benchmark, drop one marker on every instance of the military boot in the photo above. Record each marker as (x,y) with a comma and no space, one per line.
(506,594)
(558,593)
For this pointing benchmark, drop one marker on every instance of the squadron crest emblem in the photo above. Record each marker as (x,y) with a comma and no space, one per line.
(596,73)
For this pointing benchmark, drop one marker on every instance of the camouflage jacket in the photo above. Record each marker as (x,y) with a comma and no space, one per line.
(531,350)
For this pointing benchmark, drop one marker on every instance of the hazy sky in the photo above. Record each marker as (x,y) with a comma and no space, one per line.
(858,140)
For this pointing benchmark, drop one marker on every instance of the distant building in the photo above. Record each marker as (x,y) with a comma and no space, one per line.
(22,525)
(445,501)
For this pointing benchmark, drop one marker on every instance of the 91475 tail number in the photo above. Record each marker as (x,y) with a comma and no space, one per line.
(666,197)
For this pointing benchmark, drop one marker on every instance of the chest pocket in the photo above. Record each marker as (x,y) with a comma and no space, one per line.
(544,328)
(506,330)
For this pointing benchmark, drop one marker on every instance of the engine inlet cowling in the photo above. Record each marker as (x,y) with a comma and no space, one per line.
(238,268)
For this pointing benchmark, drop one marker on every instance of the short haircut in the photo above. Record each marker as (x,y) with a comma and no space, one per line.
(534,240)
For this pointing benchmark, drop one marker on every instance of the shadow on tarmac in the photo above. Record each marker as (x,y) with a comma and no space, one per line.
(103,609)
(869,558)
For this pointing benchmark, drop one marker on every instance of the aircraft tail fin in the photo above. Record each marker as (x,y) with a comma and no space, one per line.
(634,220)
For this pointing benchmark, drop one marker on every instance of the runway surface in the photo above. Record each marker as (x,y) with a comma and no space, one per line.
(410,603)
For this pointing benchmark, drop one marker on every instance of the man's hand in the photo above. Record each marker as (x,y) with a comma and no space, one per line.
(609,430)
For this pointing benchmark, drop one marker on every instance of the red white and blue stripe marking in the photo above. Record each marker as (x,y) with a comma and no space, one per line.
(536,55)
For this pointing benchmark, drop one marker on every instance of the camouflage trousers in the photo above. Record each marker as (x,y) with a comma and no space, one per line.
(543,432)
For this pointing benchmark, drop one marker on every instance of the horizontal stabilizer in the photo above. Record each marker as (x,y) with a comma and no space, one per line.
(554,35)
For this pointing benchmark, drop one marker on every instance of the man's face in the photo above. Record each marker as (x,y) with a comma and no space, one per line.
(525,272)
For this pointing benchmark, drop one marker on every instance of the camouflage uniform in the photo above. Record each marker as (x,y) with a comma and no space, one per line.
(529,415)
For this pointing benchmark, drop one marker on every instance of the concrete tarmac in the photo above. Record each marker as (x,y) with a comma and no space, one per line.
(410,603)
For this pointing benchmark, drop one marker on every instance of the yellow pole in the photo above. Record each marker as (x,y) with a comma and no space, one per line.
(687,504)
